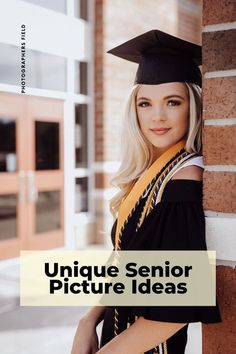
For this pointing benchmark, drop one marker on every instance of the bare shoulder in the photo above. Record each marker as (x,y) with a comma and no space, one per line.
(189,172)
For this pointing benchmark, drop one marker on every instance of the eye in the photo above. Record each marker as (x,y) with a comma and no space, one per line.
(143,104)
(173,103)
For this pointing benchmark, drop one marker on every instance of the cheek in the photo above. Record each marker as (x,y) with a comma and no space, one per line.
(143,121)
(185,119)
(181,120)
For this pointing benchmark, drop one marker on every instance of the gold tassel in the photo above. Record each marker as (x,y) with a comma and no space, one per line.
(116,323)
(165,348)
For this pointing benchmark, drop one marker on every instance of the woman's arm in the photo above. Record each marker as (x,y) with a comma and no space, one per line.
(95,315)
(86,339)
(141,336)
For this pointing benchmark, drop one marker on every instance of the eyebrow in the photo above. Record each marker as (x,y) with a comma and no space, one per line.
(145,98)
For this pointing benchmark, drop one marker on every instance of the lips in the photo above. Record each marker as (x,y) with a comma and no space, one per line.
(160,131)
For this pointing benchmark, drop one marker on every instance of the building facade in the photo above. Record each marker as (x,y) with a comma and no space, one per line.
(46,143)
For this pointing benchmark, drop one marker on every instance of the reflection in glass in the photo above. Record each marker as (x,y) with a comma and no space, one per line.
(48,212)
(47,145)
(81,143)
(81,194)
(44,71)
(81,77)
(7,145)
(81,9)
(57,5)
(8,216)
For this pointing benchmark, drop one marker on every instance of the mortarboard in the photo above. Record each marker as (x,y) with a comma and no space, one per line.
(162,58)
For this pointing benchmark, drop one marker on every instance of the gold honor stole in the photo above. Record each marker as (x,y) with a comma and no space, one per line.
(140,186)
(129,203)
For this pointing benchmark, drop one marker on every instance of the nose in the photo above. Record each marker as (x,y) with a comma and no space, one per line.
(158,113)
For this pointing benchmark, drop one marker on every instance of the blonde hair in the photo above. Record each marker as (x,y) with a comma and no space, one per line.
(137,151)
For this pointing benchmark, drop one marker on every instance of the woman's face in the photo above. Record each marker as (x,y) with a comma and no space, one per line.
(163,114)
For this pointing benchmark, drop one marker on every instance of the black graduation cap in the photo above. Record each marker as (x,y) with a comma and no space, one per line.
(162,58)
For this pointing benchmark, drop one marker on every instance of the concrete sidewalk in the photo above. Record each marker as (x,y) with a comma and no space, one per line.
(46,330)
(33,330)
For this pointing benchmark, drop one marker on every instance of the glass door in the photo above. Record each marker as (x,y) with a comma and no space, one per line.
(31,174)
(13,206)
(45,173)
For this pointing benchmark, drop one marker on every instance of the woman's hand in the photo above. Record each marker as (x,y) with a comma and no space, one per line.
(85,339)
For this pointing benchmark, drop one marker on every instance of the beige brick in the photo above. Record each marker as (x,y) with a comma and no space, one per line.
(220,337)
(219,191)
(219,98)
(222,11)
(219,50)
(219,145)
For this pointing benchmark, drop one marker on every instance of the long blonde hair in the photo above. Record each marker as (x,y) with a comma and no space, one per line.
(137,151)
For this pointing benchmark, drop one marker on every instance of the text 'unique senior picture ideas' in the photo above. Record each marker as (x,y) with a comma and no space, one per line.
(87,278)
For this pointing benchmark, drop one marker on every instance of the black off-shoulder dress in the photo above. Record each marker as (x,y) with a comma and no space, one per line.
(175,223)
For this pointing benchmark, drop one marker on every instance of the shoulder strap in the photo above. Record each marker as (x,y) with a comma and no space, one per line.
(182,163)
(195,161)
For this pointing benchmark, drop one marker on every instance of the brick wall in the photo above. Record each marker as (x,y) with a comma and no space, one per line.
(219,137)
(98,80)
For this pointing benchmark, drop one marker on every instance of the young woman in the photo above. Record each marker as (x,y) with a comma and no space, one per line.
(159,205)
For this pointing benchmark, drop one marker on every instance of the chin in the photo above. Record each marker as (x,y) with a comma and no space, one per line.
(162,145)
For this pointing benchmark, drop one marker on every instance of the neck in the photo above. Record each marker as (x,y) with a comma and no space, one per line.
(157,152)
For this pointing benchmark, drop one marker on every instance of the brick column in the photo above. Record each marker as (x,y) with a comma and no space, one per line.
(99,80)
(99,50)
(219,138)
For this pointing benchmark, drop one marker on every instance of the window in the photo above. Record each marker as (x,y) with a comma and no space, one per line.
(81,194)
(43,71)
(47,146)
(47,212)
(81,9)
(9,64)
(56,5)
(81,77)
(8,161)
(81,139)
(8,216)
